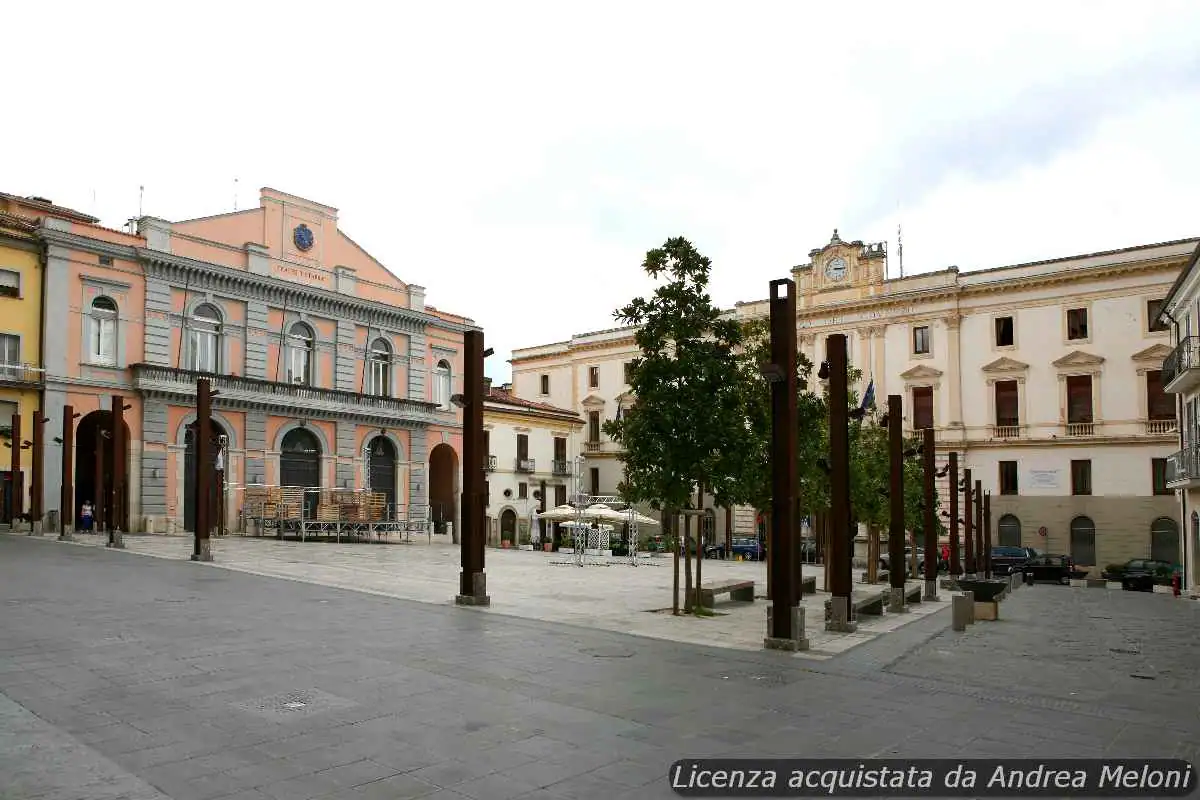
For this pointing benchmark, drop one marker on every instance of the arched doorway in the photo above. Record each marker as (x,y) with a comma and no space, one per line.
(1083,541)
(443,487)
(94,467)
(189,476)
(1010,531)
(300,466)
(508,525)
(1164,540)
(382,470)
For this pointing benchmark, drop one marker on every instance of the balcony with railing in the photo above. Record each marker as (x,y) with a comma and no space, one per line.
(1181,367)
(1159,427)
(526,465)
(1183,468)
(1007,431)
(593,446)
(1075,429)
(21,375)
(489,464)
(560,466)
(283,398)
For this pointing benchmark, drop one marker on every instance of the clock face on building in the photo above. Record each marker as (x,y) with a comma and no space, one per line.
(303,237)
(836,268)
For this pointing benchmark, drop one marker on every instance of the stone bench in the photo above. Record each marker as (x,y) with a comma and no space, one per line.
(870,603)
(912,594)
(737,590)
(808,585)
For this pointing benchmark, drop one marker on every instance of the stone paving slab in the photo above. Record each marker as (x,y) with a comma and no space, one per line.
(607,593)
(184,677)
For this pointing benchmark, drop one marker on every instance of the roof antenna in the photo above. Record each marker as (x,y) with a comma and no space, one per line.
(900,248)
(235,193)
(141,195)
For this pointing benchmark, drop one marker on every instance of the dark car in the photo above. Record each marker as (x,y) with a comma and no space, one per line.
(885,559)
(1160,571)
(1006,560)
(1056,569)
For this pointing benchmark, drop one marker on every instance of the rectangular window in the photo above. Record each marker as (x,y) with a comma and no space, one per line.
(545,379)
(10,283)
(1079,399)
(560,495)
(1007,404)
(1008,477)
(379,375)
(10,356)
(487,492)
(102,340)
(1005,332)
(203,350)
(487,443)
(106,261)
(1158,476)
(1153,310)
(1081,477)
(522,491)
(6,414)
(560,449)
(593,377)
(628,369)
(522,447)
(1159,404)
(593,426)
(1077,323)
(298,364)
(922,407)
(594,476)
(921,340)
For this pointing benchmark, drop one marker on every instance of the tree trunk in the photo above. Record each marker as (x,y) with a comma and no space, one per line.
(700,524)
(872,553)
(671,531)
(766,516)
(826,561)
(687,562)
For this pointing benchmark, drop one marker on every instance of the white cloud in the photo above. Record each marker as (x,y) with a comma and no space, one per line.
(518,159)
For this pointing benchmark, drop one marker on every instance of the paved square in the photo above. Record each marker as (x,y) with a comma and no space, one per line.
(123,676)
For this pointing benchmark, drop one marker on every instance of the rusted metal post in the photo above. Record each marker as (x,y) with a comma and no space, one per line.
(980,555)
(688,595)
(896,519)
(968,524)
(987,534)
(472,590)
(36,478)
(66,500)
(786,620)
(840,617)
(955,561)
(18,485)
(671,526)
(99,480)
(117,520)
(929,518)
(202,436)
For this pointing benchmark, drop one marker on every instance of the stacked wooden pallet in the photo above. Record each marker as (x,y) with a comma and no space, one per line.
(375,506)
(327,512)
(262,501)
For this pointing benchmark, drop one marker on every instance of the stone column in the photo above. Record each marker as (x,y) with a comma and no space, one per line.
(954,369)
(879,360)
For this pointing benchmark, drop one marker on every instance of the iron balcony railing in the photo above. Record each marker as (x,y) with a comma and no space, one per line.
(234,388)
(1183,466)
(526,465)
(489,464)
(560,467)
(1185,356)
(21,373)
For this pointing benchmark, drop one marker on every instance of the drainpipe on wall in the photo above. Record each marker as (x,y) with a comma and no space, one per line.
(1185,528)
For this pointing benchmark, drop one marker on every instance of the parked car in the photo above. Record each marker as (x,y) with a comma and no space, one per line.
(885,560)
(1160,570)
(1056,569)
(1006,560)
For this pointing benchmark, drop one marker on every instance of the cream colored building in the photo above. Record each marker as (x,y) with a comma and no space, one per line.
(1044,377)
(1181,378)
(531,451)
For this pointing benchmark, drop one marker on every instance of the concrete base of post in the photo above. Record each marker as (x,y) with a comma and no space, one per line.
(479,597)
(961,609)
(840,619)
(930,590)
(35,528)
(116,540)
(67,535)
(896,604)
(798,641)
(205,553)
(949,584)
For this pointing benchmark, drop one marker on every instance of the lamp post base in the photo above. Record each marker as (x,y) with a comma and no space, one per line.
(205,553)
(116,540)
(66,535)
(796,642)
(931,590)
(478,596)
(839,616)
(896,604)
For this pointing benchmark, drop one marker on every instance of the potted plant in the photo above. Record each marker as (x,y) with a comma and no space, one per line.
(524,542)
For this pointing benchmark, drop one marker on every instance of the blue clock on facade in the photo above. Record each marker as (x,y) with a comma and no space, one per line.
(303,237)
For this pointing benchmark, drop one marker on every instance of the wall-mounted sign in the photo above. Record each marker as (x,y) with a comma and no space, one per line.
(1043,478)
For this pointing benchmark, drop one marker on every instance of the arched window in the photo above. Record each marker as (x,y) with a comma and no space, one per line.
(1010,531)
(379,369)
(1164,540)
(1083,541)
(441,384)
(204,339)
(300,354)
(102,337)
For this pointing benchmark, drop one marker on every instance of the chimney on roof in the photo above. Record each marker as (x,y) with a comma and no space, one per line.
(37,199)
(487,385)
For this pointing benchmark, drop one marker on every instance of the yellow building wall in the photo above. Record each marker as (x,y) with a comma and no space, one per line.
(21,316)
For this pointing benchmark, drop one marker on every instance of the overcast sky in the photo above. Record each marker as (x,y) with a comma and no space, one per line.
(519,158)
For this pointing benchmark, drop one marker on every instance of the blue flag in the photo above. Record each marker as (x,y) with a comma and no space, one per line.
(868,400)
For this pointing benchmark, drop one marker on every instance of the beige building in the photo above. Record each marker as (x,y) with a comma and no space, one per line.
(531,449)
(1044,377)
(1181,378)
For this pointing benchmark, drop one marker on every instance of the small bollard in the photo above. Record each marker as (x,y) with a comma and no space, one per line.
(960,612)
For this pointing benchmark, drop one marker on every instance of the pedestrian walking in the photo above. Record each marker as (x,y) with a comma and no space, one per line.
(85,516)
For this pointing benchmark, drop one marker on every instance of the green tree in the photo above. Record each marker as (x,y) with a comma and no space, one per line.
(688,425)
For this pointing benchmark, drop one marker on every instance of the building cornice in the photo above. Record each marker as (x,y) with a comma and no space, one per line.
(541,418)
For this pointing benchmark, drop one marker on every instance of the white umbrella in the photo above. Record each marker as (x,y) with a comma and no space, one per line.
(561,514)
(603,513)
(586,525)
(535,531)
(640,519)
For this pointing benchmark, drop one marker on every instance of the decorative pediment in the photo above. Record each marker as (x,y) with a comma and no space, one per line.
(1155,353)
(1005,364)
(1078,358)
(921,372)
(626,398)
(593,401)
